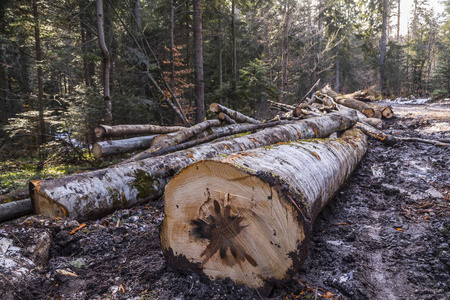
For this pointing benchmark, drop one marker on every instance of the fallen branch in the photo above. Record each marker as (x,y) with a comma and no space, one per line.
(248,216)
(392,140)
(217,108)
(105,131)
(94,194)
(224,117)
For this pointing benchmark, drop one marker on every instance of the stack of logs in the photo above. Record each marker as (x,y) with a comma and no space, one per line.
(243,194)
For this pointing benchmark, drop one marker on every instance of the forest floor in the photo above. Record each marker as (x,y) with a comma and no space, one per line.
(384,236)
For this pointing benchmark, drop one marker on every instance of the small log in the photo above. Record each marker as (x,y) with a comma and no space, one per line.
(224,117)
(15,195)
(385,111)
(104,131)
(296,111)
(91,195)
(15,209)
(248,216)
(217,108)
(365,108)
(107,148)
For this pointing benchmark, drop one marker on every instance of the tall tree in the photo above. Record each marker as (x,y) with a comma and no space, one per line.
(40,76)
(234,74)
(106,63)
(384,25)
(198,63)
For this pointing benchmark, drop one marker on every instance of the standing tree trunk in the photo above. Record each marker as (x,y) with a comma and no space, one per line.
(172,45)
(137,14)
(39,60)
(198,63)
(234,75)
(383,47)
(248,216)
(106,63)
(4,86)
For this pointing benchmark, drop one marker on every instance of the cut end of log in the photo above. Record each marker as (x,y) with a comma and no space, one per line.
(214,107)
(42,205)
(97,150)
(369,112)
(99,131)
(387,112)
(230,223)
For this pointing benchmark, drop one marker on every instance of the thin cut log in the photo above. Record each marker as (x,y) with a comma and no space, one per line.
(107,148)
(178,137)
(91,195)
(217,108)
(224,117)
(365,108)
(15,209)
(296,111)
(15,195)
(390,140)
(104,131)
(248,217)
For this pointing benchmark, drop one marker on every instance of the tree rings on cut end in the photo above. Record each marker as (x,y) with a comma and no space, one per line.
(226,222)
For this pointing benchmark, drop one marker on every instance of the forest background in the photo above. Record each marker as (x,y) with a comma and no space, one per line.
(69,65)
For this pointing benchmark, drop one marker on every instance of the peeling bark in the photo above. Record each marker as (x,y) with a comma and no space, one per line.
(104,131)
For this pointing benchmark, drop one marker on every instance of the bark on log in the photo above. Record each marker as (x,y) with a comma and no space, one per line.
(217,108)
(114,147)
(248,217)
(297,111)
(104,131)
(93,194)
(15,195)
(15,209)
(365,108)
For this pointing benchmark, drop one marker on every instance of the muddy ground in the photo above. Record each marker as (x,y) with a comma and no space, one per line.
(384,236)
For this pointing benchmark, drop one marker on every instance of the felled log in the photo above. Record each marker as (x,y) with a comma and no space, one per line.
(217,108)
(91,195)
(224,117)
(15,195)
(177,137)
(113,147)
(248,216)
(15,209)
(365,108)
(391,140)
(104,131)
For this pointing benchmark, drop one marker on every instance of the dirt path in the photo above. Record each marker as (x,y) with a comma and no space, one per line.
(384,236)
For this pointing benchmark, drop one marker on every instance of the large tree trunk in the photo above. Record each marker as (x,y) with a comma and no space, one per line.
(103,131)
(108,148)
(94,194)
(248,216)
(198,63)
(106,63)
